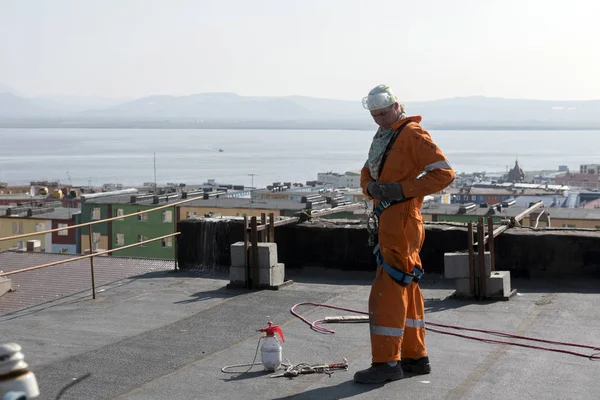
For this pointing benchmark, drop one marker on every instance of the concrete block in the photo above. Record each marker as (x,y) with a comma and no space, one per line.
(5,285)
(498,284)
(237,274)
(463,287)
(272,276)
(267,254)
(456,265)
(237,254)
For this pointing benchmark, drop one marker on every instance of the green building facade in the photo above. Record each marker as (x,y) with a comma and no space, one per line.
(141,228)
(127,231)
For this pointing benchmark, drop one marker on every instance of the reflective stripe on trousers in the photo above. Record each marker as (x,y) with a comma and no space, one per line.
(414,323)
(387,331)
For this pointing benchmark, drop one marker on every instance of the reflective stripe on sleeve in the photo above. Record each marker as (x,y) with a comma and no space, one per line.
(443,164)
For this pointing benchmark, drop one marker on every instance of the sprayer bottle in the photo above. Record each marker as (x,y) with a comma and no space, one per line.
(271,349)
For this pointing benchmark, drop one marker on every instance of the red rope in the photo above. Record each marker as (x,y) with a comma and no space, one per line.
(594,356)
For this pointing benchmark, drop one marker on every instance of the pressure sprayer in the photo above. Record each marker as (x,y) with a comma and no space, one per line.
(272,358)
(271,349)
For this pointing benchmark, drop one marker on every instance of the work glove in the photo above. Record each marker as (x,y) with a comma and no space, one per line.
(386,191)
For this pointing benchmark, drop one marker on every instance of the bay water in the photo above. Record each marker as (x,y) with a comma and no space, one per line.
(126,156)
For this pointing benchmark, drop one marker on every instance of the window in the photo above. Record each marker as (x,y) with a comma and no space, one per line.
(119,213)
(142,238)
(96,214)
(120,239)
(167,216)
(17,227)
(39,226)
(167,242)
(63,233)
(143,217)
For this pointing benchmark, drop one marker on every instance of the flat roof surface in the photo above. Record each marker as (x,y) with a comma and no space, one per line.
(53,283)
(267,204)
(57,213)
(164,335)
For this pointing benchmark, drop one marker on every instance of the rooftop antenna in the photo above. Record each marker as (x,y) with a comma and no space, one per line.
(251,187)
(155,173)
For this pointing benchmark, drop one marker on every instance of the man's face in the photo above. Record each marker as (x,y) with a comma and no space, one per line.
(385,117)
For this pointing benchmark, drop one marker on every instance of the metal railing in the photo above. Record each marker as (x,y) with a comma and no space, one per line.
(92,255)
(477,281)
(264,231)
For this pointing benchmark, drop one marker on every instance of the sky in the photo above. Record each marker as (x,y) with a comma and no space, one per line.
(426,50)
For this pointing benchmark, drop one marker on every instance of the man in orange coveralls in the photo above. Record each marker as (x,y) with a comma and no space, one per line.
(403,166)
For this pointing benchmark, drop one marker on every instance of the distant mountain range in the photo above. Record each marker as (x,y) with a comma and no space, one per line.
(229,110)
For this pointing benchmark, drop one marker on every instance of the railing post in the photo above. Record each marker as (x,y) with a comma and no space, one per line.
(272,227)
(254,265)
(472,285)
(246,261)
(490,222)
(263,222)
(176,217)
(481,251)
(90,231)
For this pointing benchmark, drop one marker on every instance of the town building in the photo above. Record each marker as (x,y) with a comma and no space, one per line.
(559,217)
(581,180)
(22,220)
(494,193)
(591,169)
(349,179)
(114,234)
(241,207)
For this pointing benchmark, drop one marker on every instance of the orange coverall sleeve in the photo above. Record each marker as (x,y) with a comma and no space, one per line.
(365,179)
(428,158)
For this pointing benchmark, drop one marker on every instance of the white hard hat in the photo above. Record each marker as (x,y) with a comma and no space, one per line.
(379,97)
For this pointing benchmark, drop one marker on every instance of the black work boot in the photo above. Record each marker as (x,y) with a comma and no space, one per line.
(379,373)
(419,366)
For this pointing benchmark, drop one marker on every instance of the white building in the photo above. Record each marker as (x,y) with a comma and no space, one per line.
(590,169)
(350,179)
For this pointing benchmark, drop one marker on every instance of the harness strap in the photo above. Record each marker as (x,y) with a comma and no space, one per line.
(400,277)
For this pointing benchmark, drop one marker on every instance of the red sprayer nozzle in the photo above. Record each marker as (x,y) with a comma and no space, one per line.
(272,329)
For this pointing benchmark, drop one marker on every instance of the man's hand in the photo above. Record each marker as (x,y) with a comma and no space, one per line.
(386,191)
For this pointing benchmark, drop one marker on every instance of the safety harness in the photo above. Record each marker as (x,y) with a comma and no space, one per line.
(400,277)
